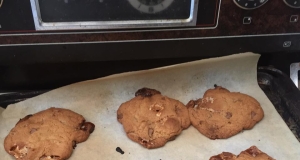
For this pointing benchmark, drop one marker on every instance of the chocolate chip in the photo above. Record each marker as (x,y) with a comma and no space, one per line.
(13,148)
(80,124)
(172,138)
(142,141)
(88,126)
(228,115)
(74,144)
(253,151)
(146,92)
(156,108)
(120,116)
(118,149)
(54,157)
(44,157)
(223,156)
(212,129)
(150,132)
(213,137)
(227,154)
(33,130)
(191,104)
(24,119)
(176,109)
(217,157)
(21,145)
(252,114)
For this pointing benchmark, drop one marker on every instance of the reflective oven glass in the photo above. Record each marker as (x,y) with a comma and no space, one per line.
(113,10)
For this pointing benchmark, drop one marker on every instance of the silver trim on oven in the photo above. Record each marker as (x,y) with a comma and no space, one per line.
(294,69)
(40,25)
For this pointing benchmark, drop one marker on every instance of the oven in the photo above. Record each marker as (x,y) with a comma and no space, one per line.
(47,44)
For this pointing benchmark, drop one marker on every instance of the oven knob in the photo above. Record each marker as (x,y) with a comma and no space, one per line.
(249,4)
(292,3)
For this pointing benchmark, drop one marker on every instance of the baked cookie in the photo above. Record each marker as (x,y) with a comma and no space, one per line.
(49,134)
(221,114)
(152,119)
(224,156)
(253,153)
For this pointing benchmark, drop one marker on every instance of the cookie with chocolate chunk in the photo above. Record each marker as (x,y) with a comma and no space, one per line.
(49,134)
(152,119)
(224,156)
(253,153)
(221,114)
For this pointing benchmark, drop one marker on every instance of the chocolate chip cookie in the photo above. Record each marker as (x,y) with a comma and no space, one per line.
(221,114)
(224,156)
(152,119)
(253,153)
(49,134)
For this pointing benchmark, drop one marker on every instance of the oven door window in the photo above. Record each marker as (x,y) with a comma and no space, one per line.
(114,12)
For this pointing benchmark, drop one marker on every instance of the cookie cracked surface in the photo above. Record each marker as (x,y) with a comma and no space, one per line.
(152,119)
(253,153)
(221,114)
(49,134)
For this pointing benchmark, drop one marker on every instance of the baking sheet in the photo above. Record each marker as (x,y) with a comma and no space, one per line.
(98,101)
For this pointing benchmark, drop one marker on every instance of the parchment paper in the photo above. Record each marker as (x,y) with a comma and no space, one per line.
(98,101)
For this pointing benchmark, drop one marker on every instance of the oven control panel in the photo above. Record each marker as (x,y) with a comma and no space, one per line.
(257,17)
(254,4)
(250,4)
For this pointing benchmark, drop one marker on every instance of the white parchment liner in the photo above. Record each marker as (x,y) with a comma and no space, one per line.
(98,100)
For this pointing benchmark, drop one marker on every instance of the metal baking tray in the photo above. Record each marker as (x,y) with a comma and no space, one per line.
(278,87)
(284,95)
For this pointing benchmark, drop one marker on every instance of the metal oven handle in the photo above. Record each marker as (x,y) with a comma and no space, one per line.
(1,2)
(294,68)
